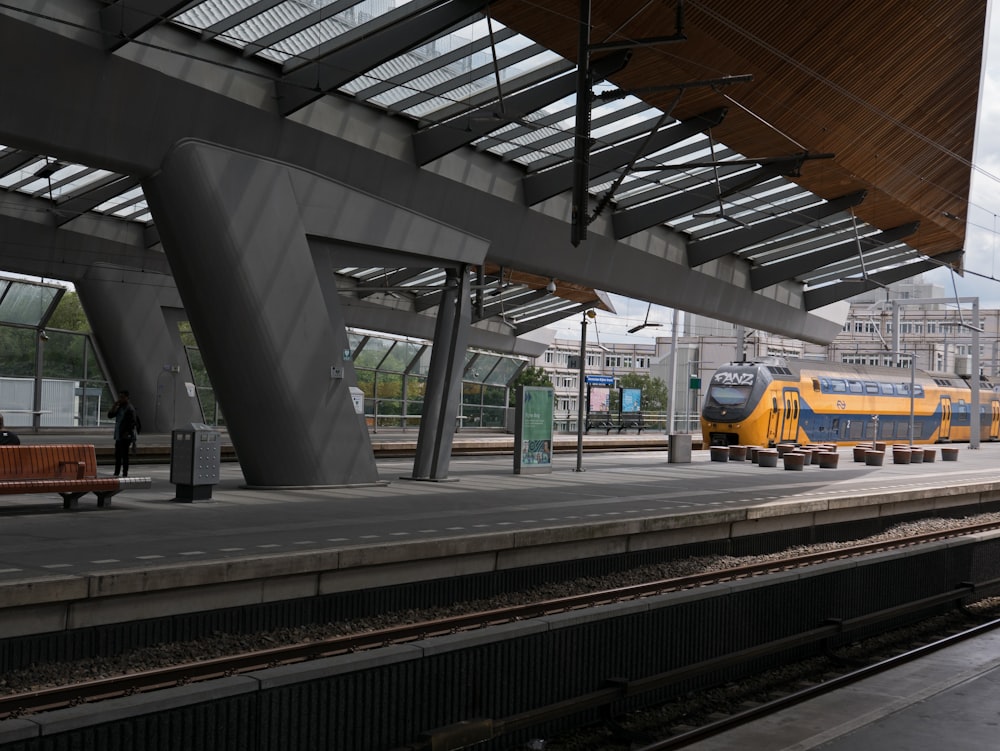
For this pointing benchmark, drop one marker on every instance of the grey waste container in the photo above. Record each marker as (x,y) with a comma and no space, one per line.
(195,457)
(679,448)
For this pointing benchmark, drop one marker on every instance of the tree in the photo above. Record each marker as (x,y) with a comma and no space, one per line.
(69,315)
(530,376)
(654,390)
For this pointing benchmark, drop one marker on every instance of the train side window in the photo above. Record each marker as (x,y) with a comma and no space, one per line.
(871,388)
(838,386)
(886,388)
(918,391)
(854,387)
(816,384)
(824,384)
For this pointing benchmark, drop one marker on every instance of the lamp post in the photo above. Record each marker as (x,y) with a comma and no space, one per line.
(583,375)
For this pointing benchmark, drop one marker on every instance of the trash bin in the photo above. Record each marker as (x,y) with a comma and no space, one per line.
(679,448)
(195,458)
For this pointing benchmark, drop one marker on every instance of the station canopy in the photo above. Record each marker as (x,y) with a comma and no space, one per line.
(824,143)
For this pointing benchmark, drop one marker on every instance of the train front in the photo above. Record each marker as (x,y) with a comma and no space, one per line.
(732,414)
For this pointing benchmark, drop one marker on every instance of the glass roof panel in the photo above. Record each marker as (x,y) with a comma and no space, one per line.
(460,93)
(24,302)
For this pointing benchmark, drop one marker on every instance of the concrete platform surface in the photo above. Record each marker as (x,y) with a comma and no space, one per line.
(145,529)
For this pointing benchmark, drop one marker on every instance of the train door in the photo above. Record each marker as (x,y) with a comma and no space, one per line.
(790,415)
(944,434)
(995,420)
(773,420)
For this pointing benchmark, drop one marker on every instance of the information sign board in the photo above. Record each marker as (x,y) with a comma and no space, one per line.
(533,438)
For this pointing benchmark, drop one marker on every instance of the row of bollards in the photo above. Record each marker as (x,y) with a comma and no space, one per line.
(825,456)
(792,455)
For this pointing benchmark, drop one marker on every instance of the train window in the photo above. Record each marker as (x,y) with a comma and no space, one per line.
(838,386)
(918,391)
(824,384)
(854,387)
(728,396)
(886,388)
(816,384)
(903,389)
(871,388)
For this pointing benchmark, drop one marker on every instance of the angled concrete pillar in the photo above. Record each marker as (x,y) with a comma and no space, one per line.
(444,378)
(134,319)
(232,230)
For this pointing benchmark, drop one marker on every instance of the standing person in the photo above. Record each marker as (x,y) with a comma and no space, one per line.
(7,438)
(124,414)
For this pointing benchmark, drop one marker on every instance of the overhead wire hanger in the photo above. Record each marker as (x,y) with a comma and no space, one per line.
(645,324)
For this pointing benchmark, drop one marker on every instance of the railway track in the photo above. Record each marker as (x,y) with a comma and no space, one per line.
(48,698)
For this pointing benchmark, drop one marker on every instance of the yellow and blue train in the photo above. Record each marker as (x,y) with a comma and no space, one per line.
(809,401)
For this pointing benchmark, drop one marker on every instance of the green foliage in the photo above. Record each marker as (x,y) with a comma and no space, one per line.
(530,376)
(654,390)
(69,315)
(18,348)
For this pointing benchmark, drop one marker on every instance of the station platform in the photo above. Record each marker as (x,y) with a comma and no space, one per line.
(949,699)
(619,495)
(149,554)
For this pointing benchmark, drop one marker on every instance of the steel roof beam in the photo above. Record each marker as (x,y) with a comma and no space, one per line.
(485,70)
(395,279)
(437,140)
(523,327)
(511,305)
(477,45)
(772,273)
(831,293)
(418,24)
(644,216)
(717,246)
(540,186)
(125,20)
(78,204)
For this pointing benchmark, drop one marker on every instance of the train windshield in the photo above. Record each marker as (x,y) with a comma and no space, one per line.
(728,396)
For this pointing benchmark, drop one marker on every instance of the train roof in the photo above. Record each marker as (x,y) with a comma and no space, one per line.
(797,367)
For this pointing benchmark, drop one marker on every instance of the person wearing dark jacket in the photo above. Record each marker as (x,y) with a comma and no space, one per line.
(124,414)
(7,438)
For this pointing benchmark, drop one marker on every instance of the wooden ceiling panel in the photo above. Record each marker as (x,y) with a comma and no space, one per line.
(891,88)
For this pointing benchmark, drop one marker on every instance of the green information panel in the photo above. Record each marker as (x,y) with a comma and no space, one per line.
(533,439)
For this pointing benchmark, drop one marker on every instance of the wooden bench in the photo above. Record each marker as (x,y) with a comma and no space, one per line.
(67,469)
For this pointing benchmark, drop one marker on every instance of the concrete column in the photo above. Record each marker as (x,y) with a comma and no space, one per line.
(134,319)
(273,346)
(444,378)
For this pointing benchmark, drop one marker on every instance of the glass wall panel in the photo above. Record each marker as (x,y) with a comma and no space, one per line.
(373,353)
(18,348)
(504,371)
(480,369)
(25,303)
(64,355)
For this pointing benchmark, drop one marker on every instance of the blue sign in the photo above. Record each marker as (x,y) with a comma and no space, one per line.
(599,380)
(631,400)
